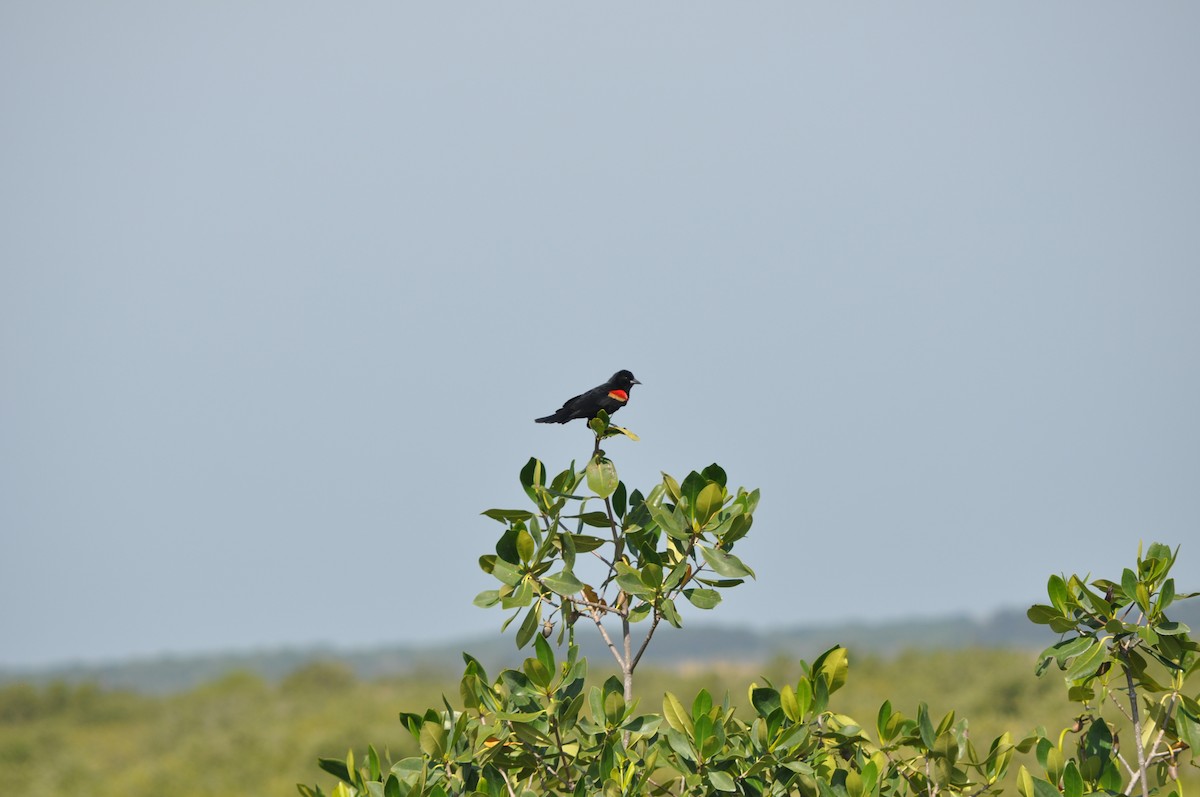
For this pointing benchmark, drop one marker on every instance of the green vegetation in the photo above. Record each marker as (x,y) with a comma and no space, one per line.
(542,729)
(559,724)
(235,735)
(243,735)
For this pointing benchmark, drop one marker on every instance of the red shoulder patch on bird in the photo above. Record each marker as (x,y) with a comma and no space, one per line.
(619,395)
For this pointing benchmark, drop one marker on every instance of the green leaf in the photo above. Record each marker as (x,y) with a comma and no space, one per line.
(530,625)
(645,725)
(619,500)
(1187,722)
(703,598)
(676,575)
(1143,598)
(525,546)
(721,583)
(487,598)
(585,543)
(506,546)
(565,543)
(1043,615)
(565,483)
(596,704)
(335,767)
(1087,662)
(1064,651)
(520,596)
(693,483)
(676,715)
(1025,783)
(670,613)
(881,722)
(1129,584)
(630,580)
(804,696)
(533,475)
(1089,599)
(765,700)
(716,473)
(1057,589)
(568,711)
(1043,788)
(680,744)
(433,737)
(624,431)
(1081,693)
(564,583)
(594,519)
(602,476)
(1055,762)
(507,573)
(999,756)
(507,515)
(709,501)
(789,704)
(1072,781)
(721,781)
(652,576)
(669,521)
(725,564)
(599,424)
(925,725)
(832,667)
(535,670)
(1171,628)
(1166,595)
(672,487)
(799,733)
(739,526)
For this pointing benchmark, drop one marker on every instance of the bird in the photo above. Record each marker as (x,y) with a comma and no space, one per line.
(610,397)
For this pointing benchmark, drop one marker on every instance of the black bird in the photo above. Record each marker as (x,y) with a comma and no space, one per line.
(610,397)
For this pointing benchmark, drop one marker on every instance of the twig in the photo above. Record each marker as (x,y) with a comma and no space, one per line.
(596,618)
(1113,694)
(601,607)
(1136,719)
(646,641)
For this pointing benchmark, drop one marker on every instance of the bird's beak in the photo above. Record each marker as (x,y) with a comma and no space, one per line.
(637,381)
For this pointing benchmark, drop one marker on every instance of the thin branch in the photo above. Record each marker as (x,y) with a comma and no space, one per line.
(981,790)
(1112,693)
(1152,753)
(596,618)
(1132,772)
(596,553)
(627,672)
(562,762)
(601,607)
(618,541)
(646,641)
(1136,719)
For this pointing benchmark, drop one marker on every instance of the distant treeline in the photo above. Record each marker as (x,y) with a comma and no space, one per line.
(697,644)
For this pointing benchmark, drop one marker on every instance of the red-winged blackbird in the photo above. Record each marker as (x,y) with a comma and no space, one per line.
(610,397)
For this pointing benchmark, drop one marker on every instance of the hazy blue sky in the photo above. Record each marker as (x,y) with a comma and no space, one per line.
(283,285)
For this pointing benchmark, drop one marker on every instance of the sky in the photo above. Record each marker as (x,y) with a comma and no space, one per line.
(284,284)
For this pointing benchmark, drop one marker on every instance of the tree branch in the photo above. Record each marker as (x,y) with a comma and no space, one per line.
(1135,717)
